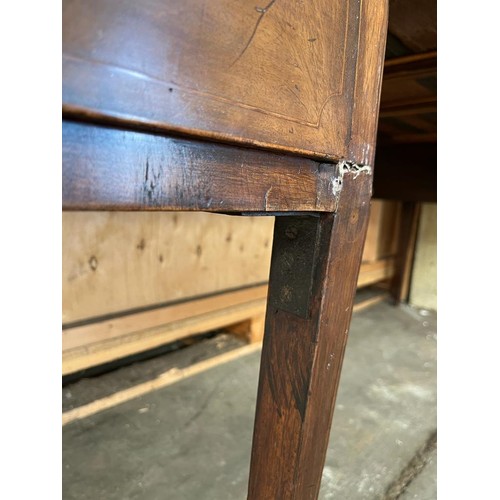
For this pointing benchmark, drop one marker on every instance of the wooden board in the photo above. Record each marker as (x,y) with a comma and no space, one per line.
(162,380)
(110,169)
(373,272)
(122,326)
(400,286)
(241,312)
(114,262)
(303,347)
(414,23)
(282,75)
(177,374)
(119,346)
(383,227)
(423,288)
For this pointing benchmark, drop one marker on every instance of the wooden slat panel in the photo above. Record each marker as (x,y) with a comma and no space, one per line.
(120,261)
(102,331)
(111,349)
(110,169)
(177,374)
(104,341)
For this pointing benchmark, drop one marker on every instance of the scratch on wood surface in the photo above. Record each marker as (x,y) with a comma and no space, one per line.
(262,11)
(268,192)
(152,182)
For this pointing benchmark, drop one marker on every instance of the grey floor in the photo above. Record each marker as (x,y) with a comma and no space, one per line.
(191,440)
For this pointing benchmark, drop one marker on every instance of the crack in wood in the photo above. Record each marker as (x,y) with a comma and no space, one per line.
(262,11)
(346,167)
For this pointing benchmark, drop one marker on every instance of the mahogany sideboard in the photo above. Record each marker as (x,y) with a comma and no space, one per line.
(244,109)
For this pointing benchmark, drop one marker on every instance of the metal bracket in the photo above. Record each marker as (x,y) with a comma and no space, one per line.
(293,264)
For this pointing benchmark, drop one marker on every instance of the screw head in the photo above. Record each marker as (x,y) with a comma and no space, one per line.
(291,232)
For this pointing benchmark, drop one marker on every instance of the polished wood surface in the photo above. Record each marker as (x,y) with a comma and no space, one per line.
(110,169)
(281,75)
(303,350)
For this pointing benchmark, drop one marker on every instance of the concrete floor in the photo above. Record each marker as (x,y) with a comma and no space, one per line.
(191,440)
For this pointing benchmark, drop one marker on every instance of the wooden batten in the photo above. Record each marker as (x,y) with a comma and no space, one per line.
(251,330)
(111,169)
(240,312)
(373,272)
(120,346)
(383,228)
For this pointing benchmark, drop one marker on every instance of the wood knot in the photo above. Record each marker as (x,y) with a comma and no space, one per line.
(93,263)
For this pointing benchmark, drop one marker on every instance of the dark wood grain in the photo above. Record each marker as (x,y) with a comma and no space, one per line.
(369,70)
(414,22)
(400,285)
(408,104)
(409,85)
(406,172)
(109,169)
(303,352)
(282,75)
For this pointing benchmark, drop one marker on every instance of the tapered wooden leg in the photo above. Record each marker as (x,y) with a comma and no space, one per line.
(314,270)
